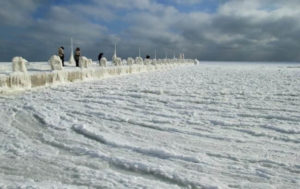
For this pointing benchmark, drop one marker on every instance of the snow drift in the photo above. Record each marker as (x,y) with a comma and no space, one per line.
(207,126)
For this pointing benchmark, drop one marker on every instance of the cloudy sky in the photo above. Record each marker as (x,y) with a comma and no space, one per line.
(229,30)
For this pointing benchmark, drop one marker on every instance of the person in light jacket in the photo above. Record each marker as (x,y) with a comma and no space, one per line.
(76,56)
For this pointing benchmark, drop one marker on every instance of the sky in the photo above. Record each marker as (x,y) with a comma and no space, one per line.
(213,30)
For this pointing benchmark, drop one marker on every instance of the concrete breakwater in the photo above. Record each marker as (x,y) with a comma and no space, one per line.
(16,81)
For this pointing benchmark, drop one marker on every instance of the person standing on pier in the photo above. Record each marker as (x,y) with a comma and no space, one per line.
(61,55)
(100,56)
(76,56)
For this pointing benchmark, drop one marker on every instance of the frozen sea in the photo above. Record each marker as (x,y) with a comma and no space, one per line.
(213,125)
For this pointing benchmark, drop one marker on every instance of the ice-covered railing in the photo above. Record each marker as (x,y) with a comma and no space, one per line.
(20,77)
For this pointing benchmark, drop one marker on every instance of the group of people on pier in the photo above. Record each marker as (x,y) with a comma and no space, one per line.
(61,54)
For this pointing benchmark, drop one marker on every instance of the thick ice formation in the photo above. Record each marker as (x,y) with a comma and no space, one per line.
(55,63)
(154,62)
(18,64)
(147,61)
(139,60)
(90,61)
(103,62)
(117,61)
(130,61)
(18,80)
(84,62)
(45,77)
(71,60)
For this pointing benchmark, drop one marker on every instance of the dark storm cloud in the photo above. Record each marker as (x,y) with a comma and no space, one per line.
(16,12)
(245,31)
(238,29)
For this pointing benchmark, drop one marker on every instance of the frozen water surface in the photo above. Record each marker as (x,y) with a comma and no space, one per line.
(204,126)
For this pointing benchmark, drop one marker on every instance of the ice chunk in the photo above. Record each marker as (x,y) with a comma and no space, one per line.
(55,63)
(130,61)
(138,60)
(103,62)
(84,62)
(117,61)
(147,61)
(18,64)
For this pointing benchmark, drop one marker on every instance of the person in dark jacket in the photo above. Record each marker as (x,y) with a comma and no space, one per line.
(100,56)
(61,55)
(76,56)
(147,57)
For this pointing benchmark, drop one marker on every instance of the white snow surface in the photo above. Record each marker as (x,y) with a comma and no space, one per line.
(196,126)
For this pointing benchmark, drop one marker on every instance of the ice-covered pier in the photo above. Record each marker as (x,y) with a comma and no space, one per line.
(17,77)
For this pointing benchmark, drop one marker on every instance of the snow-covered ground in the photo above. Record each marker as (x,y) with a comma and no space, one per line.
(205,126)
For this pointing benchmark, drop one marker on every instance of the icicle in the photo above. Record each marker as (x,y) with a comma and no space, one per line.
(139,52)
(72,61)
(115,53)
